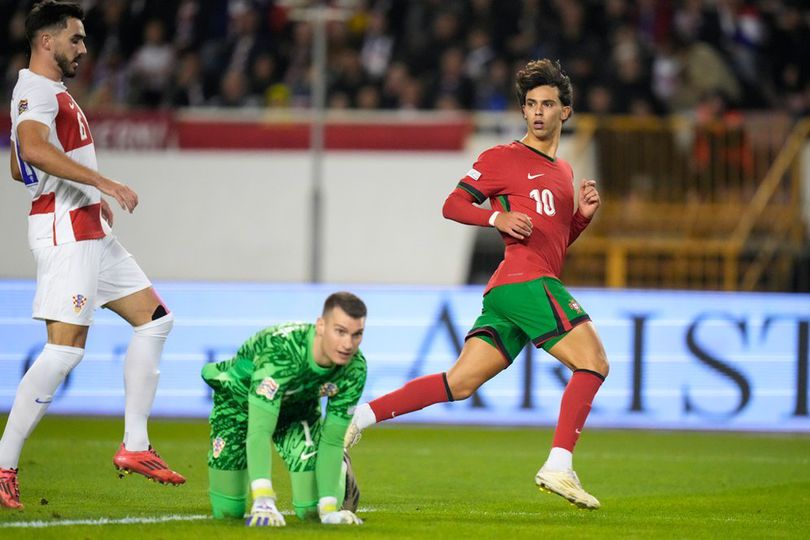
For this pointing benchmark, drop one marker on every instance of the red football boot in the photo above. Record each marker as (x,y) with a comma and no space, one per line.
(9,489)
(148,463)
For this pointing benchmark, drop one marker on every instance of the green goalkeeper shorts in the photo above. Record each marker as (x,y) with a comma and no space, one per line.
(295,441)
(541,311)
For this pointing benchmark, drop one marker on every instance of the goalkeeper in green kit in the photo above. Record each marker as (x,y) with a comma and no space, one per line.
(272,390)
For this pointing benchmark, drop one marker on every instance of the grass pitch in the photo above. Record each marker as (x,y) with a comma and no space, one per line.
(435,482)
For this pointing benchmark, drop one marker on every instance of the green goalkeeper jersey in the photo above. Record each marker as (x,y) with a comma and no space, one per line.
(275,378)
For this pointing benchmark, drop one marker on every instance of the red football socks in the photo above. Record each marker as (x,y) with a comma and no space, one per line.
(575,406)
(415,395)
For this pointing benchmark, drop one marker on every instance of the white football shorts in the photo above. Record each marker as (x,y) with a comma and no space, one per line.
(74,279)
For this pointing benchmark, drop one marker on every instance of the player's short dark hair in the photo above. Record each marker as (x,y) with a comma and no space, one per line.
(348,302)
(50,13)
(543,73)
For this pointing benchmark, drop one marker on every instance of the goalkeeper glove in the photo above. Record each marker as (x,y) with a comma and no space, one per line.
(264,512)
(330,515)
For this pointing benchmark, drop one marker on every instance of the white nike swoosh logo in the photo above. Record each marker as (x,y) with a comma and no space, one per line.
(533,176)
(306,456)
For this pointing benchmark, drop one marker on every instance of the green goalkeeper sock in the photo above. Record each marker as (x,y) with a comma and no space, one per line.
(228,493)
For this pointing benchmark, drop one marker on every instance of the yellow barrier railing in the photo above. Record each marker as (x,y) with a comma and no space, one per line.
(731,221)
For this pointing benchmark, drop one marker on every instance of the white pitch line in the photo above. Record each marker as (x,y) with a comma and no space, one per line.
(121,521)
(101,521)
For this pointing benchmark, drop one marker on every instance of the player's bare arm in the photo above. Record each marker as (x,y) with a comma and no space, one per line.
(589,200)
(515,224)
(15,168)
(39,152)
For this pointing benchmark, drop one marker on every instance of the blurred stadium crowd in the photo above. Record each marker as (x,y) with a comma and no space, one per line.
(635,57)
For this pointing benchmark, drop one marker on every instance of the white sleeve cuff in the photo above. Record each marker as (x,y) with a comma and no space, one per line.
(492,218)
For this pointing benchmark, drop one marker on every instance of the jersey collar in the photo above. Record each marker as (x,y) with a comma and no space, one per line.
(536,151)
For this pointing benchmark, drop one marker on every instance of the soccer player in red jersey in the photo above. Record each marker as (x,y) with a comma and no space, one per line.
(80,264)
(539,213)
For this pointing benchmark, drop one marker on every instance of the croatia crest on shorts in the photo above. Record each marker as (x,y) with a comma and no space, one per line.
(217,446)
(79,300)
(267,388)
(329,389)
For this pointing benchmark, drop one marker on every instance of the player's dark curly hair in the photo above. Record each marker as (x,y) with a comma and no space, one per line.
(543,73)
(48,14)
(348,302)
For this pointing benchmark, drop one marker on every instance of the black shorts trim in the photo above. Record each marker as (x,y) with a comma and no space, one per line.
(540,340)
(491,332)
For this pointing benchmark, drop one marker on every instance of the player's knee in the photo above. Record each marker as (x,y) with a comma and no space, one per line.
(61,358)
(461,389)
(226,506)
(158,328)
(599,363)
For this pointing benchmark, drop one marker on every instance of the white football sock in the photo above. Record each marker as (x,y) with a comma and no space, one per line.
(559,459)
(34,395)
(141,377)
(364,416)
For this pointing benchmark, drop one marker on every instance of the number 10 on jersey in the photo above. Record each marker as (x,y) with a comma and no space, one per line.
(544,201)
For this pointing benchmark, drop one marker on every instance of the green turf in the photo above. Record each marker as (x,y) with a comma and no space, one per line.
(442,482)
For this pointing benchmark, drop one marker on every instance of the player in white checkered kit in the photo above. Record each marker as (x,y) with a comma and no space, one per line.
(80,265)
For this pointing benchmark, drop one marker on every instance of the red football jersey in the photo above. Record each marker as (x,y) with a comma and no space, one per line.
(518,178)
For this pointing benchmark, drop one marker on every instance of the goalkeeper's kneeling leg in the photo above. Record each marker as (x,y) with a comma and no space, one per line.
(227,491)
(226,506)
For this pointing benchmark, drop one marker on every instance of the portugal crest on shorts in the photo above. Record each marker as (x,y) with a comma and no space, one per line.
(79,300)
(574,306)
(218,446)
(329,389)
(267,388)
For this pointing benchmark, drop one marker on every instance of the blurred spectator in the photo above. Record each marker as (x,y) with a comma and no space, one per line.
(631,56)
(377,46)
(263,75)
(494,92)
(451,87)
(368,98)
(233,91)
(151,66)
(599,100)
(187,89)
(480,54)
(395,80)
(789,52)
(349,75)
(722,154)
(237,51)
(701,71)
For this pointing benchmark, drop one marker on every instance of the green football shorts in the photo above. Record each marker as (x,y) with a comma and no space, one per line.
(541,311)
(295,441)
